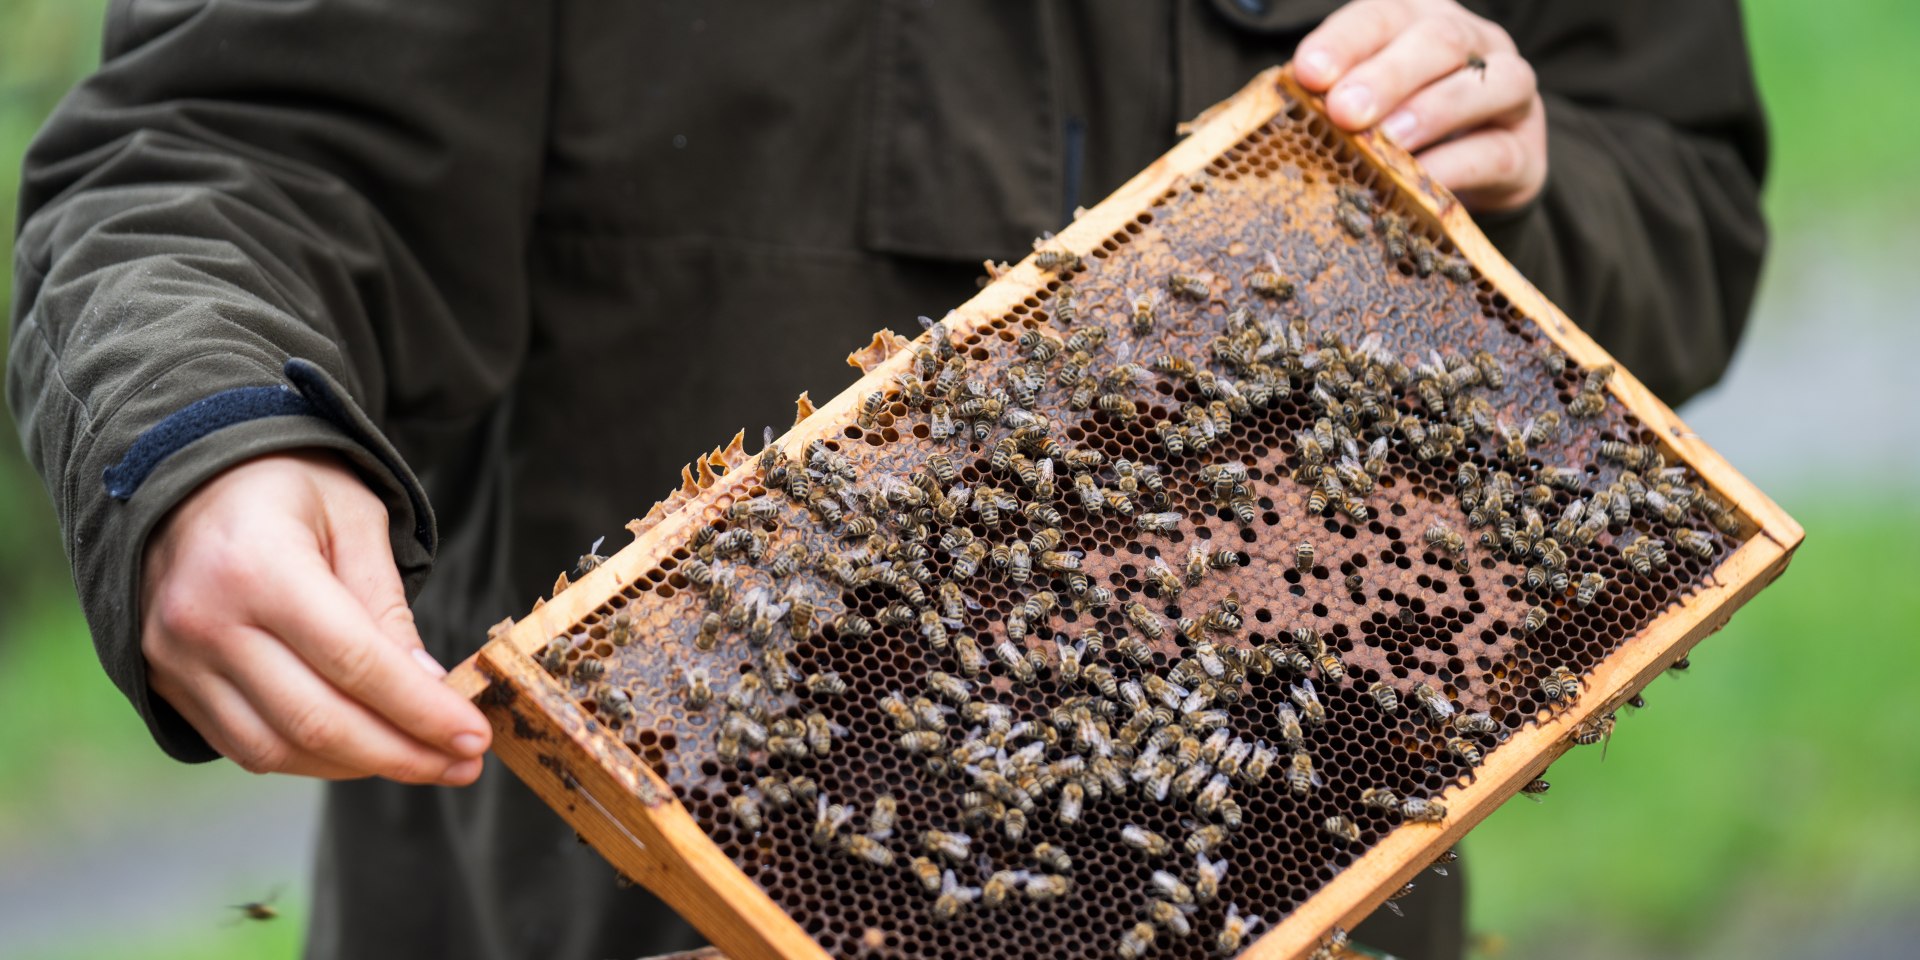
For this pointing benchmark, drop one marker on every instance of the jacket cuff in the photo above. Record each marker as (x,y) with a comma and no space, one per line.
(317,414)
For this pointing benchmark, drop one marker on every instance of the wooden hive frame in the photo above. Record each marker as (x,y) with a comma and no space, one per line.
(630,816)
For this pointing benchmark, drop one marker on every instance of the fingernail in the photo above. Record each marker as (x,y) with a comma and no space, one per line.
(1398,127)
(428,663)
(461,772)
(1316,64)
(1354,100)
(469,744)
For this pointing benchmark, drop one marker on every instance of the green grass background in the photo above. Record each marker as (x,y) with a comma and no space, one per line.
(1770,793)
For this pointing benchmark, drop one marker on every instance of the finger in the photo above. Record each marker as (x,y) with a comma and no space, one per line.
(231,725)
(1427,50)
(326,625)
(320,723)
(1464,100)
(1350,35)
(1489,170)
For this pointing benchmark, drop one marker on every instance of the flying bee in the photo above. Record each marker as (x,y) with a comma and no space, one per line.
(1145,841)
(1439,864)
(1535,789)
(1341,828)
(1385,697)
(1188,286)
(1135,943)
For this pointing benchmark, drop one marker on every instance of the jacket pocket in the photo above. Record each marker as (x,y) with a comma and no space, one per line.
(965,160)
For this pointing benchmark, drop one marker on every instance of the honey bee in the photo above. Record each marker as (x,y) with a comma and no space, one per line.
(1052,858)
(953,846)
(1188,286)
(1590,586)
(928,873)
(1144,621)
(1311,709)
(1341,828)
(614,703)
(1014,823)
(1055,260)
(1135,943)
(1014,659)
(1561,684)
(1043,887)
(1536,618)
(1385,697)
(708,636)
(746,813)
(1204,840)
(1357,224)
(1102,679)
(1171,916)
(1464,749)
(1594,731)
(1145,841)
(1234,930)
(1073,798)
(1271,283)
(1587,405)
(696,688)
(1475,725)
(1301,778)
(1000,888)
(1167,585)
(1695,542)
(967,656)
(953,898)
(1535,789)
(1436,704)
(1207,877)
(921,741)
(1421,811)
(867,849)
(819,734)
(1303,557)
(589,670)
(1442,536)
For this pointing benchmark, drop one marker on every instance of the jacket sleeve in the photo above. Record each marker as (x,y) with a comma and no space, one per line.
(1649,231)
(263,226)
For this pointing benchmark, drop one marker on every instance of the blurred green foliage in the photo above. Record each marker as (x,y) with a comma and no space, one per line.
(1763,777)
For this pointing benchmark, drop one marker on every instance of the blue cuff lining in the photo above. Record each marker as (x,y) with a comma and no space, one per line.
(196,420)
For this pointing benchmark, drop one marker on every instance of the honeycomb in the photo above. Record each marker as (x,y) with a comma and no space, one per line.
(1138,613)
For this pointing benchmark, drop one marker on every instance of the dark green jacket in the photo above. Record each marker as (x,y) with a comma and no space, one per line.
(520,260)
